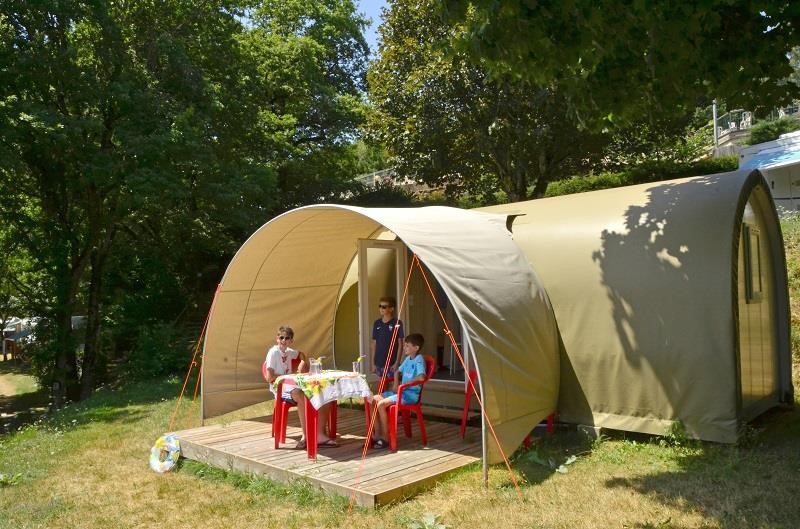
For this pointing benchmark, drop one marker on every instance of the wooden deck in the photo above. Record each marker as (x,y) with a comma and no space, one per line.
(383,477)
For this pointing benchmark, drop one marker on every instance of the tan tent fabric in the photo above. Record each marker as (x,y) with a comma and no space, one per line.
(642,281)
(291,270)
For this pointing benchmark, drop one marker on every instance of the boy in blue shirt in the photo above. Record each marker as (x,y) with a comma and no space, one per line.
(412,368)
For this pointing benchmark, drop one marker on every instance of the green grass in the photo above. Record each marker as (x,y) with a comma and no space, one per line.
(13,379)
(21,400)
(791,237)
(87,466)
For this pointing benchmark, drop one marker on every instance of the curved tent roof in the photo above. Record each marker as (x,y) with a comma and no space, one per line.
(643,284)
(292,268)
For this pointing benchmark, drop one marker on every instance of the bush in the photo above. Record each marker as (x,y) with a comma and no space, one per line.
(654,171)
(161,349)
(770,130)
(384,194)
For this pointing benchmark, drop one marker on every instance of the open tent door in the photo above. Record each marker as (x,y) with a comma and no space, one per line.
(382,266)
(292,271)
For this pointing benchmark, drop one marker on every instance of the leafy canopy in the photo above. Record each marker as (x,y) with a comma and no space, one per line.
(617,61)
(449,123)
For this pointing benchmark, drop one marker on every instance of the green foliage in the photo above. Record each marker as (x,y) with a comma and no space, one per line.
(678,138)
(791,237)
(764,131)
(160,349)
(10,480)
(369,157)
(385,195)
(677,436)
(141,146)
(448,124)
(429,521)
(616,62)
(643,173)
(548,461)
(748,436)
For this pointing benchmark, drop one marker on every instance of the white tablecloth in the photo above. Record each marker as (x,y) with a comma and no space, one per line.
(329,386)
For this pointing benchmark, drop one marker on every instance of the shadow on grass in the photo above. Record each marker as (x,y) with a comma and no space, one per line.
(548,453)
(738,486)
(18,410)
(105,405)
(21,408)
(12,367)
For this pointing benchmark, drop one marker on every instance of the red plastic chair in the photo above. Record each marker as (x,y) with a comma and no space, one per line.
(280,414)
(395,410)
(473,376)
(281,409)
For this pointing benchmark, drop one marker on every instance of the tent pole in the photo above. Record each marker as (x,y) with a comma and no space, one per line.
(484,433)
(485,464)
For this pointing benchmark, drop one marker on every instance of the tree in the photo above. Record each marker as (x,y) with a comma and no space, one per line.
(449,123)
(142,142)
(112,114)
(309,60)
(10,299)
(618,61)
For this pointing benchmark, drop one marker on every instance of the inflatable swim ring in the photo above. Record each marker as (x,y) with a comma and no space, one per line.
(165,453)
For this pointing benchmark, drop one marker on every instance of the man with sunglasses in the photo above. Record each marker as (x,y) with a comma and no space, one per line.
(383,330)
(279,362)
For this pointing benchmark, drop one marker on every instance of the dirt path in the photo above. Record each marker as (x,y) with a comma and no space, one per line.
(7,389)
(20,400)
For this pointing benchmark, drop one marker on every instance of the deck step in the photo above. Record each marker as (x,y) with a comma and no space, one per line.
(443,412)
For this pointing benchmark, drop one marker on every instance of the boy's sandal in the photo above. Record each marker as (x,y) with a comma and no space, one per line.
(330,443)
(301,445)
(380,443)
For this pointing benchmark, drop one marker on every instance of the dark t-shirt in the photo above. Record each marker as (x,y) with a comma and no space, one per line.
(382,334)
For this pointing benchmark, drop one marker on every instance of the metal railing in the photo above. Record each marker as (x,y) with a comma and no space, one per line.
(733,121)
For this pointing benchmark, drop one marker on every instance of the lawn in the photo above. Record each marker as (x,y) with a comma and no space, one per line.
(21,401)
(87,467)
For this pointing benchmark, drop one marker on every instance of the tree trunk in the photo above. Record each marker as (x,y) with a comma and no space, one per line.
(540,187)
(91,351)
(65,376)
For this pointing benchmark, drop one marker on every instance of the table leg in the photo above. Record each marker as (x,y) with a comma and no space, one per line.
(332,418)
(311,429)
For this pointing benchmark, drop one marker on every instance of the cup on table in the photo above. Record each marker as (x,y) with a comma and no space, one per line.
(315,367)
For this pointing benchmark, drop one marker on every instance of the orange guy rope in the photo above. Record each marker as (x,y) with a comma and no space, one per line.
(193,362)
(381,385)
(453,343)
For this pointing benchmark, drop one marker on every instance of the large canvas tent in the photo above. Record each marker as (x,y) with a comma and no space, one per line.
(294,269)
(671,300)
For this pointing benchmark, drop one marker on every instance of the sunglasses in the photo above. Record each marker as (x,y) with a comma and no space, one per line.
(384,306)
(282,338)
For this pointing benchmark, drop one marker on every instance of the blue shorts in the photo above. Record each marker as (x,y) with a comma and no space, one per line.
(287,395)
(408,398)
(389,372)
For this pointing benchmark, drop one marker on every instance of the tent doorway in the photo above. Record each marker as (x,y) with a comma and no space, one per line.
(382,269)
(427,321)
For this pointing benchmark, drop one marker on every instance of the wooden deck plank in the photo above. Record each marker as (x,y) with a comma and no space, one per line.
(382,477)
